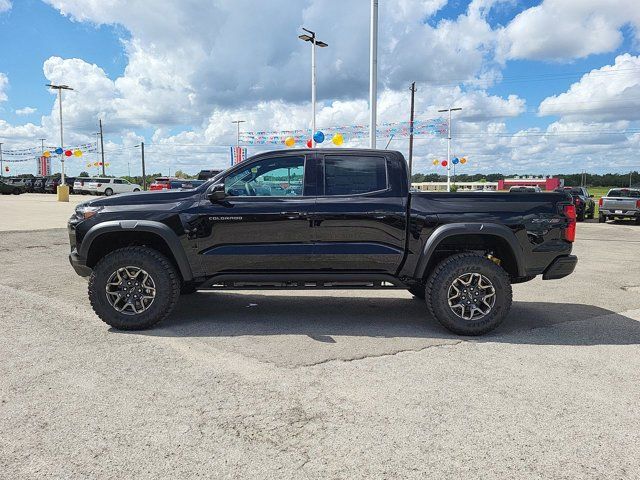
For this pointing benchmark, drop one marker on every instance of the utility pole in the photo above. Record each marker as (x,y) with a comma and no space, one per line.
(413,94)
(104,174)
(1,165)
(373,73)
(238,122)
(314,43)
(449,144)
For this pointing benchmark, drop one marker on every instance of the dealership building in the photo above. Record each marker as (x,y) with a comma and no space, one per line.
(545,183)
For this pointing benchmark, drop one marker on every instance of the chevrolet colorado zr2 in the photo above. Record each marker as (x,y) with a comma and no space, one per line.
(320,218)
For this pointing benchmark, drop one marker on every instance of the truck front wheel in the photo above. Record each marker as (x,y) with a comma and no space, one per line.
(134,288)
(469,294)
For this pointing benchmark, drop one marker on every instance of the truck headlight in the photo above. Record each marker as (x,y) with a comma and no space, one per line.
(85,212)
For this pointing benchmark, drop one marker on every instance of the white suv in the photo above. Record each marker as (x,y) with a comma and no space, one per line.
(109,186)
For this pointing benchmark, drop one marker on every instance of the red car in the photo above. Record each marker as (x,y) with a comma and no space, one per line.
(161,183)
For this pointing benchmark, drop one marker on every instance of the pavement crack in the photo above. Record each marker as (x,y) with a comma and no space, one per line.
(381,355)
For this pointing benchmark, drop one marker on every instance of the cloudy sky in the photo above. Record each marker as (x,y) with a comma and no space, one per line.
(545,86)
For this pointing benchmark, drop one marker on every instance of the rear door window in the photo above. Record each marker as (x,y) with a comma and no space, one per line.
(354,175)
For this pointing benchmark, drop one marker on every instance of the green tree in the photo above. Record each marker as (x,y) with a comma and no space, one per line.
(84,174)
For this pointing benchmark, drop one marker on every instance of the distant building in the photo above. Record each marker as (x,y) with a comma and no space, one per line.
(545,183)
(442,186)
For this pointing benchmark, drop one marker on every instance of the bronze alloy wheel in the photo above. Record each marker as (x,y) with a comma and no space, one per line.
(130,290)
(471,296)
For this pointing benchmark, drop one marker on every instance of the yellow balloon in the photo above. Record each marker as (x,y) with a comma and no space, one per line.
(436,162)
(46,154)
(77,153)
(88,164)
(95,164)
(463,160)
(107,164)
(337,139)
(289,141)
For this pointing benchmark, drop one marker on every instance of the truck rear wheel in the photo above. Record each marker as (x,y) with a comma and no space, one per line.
(602,218)
(469,294)
(134,288)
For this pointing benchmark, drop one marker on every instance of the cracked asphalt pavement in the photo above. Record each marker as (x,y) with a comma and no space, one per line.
(333,384)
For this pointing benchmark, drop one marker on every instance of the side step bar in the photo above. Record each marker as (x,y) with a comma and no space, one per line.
(255,281)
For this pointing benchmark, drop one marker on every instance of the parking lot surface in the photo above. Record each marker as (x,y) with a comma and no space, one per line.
(320,384)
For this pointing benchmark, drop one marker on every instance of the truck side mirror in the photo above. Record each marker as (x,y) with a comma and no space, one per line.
(216,192)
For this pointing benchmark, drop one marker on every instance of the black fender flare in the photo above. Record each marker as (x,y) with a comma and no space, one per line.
(157,228)
(454,229)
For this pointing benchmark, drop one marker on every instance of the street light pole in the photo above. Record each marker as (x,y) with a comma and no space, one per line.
(449,144)
(238,122)
(60,88)
(373,73)
(1,165)
(314,43)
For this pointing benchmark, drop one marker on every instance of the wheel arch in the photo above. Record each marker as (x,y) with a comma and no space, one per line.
(109,236)
(453,238)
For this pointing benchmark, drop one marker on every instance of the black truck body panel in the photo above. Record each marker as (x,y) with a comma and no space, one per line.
(318,237)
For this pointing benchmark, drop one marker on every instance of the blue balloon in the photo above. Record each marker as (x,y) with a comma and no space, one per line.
(455,161)
(59,151)
(318,137)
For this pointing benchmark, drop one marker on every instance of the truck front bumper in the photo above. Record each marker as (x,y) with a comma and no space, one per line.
(560,267)
(78,264)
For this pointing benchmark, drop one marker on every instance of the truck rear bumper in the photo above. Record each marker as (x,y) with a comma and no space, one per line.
(560,267)
(621,213)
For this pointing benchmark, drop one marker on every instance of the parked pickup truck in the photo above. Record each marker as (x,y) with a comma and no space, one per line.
(621,203)
(320,218)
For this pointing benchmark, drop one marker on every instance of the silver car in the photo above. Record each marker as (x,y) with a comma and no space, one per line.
(620,203)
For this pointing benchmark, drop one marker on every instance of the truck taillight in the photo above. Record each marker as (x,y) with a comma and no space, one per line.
(600,202)
(638,204)
(570,230)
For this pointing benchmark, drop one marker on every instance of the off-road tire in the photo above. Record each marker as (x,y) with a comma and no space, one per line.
(108,192)
(167,283)
(188,288)
(443,276)
(602,218)
(580,217)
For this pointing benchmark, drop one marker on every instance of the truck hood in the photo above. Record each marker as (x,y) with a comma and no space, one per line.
(146,198)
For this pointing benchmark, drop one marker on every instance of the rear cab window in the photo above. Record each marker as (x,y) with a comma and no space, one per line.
(622,192)
(354,174)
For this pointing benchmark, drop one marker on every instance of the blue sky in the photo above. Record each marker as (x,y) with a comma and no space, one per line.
(175,75)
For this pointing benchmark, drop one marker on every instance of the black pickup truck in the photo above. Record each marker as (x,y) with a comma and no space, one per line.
(320,218)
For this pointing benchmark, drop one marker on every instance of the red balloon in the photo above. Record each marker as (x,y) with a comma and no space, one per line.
(309,143)
(99,164)
(444,163)
(68,153)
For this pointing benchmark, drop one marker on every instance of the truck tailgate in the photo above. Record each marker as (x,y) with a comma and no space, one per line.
(619,203)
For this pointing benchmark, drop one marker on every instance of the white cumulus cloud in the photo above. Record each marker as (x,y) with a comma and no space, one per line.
(26,111)
(607,94)
(568,29)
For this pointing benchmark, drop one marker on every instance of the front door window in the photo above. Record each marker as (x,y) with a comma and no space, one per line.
(273,177)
